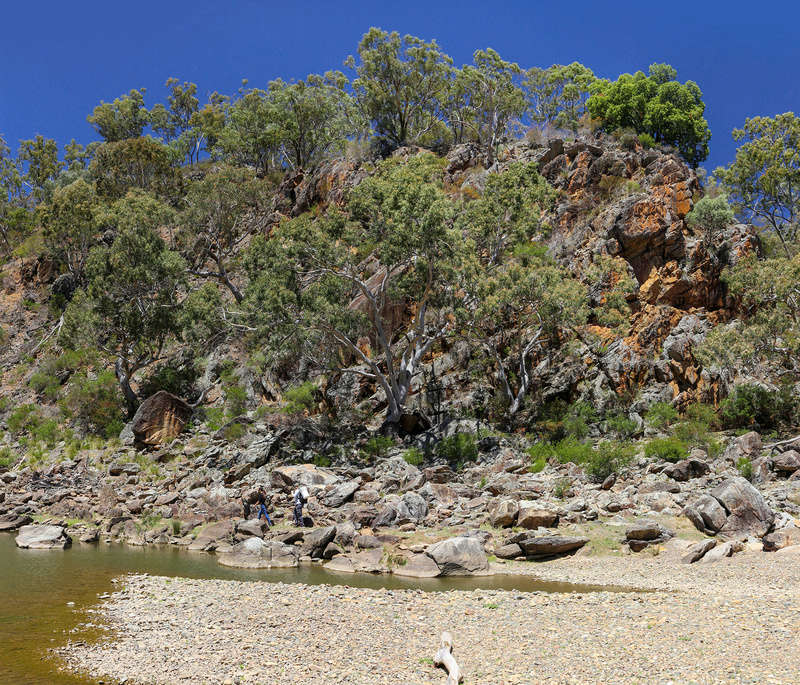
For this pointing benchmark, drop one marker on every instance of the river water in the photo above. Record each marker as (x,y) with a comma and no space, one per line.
(44,594)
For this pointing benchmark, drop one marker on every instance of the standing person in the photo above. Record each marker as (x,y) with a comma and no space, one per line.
(300,498)
(262,506)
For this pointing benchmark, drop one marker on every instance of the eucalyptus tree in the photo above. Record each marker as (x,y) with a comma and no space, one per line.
(379,282)
(218,210)
(763,181)
(557,95)
(400,86)
(485,100)
(125,117)
(130,308)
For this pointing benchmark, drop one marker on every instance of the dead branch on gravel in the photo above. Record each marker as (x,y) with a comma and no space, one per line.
(444,658)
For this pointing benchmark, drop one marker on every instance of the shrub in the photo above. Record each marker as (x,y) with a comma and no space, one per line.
(628,140)
(661,415)
(607,458)
(214,417)
(622,426)
(702,413)
(745,468)
(378,445)
(754,406)
(561,488)
(570,449)
(458,448)
(5,456)
(175,376)
(21,417)
(300,398)
(538,464)
(647,140)
(413,456)
(669,449)
(97,401)
(321,460)
(45,384)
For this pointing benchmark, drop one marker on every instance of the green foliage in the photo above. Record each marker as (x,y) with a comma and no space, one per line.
(607,458)
(710,216)
(38,165)
(20,417)
(27,420)
(176,376)
(763,180)
(130,308)
(756,407)
(566,450)
(97,401)
(378,445)
(558,94)
(669,449)
(413,456)
(70,224)
(400,85)
(123,118)
(538,459)
(647,140)
(622,426)
(6,457)
(458,448)
(144,163)
(611,287)
(322,460)
(562,487)
(484,100)
(300,398)
(661,414)
(745,468)
(215,221)
(658,105)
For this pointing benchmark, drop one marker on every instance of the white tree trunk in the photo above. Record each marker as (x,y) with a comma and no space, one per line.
(444,658)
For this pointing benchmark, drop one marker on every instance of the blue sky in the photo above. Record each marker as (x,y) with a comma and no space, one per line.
(58,59)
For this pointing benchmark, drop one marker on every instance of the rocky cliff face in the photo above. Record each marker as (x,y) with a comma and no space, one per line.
(625,203)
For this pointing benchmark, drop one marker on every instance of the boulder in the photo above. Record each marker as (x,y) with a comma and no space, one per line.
(331,550)
(726,549)
(315,542)
(510,551)
(210,537)
(160,418)
(345,533)
(644,530)
(43,537)
(747,511)
(367,542)
(120,468)
(166,498)
(341,493)
(698,550)
(412,508)
(532,517)
(252,527)
(707,514)
(686,469)
(396,475)
(747,445)
(12,521)
(503,513)
(257,553)
(417,566)
(459,556)
(368,561)
(785,537)
(290,477)
(786,462)
(538,547)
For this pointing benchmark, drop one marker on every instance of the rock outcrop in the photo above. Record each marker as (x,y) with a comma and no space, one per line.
(43,537)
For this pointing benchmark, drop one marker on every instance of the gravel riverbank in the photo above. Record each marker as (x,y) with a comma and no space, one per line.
(730,622)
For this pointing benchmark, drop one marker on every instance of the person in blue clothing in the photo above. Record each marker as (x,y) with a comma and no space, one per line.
(262,506)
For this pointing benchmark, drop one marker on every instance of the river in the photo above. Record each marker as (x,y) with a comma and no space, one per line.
(44,594)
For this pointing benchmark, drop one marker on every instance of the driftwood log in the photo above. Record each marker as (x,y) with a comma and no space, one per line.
(445,659)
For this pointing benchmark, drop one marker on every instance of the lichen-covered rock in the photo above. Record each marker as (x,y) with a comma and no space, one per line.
(257,553)
(747,510)
(42,537)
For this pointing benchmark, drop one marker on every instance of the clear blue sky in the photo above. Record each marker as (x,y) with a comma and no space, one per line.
(58,59)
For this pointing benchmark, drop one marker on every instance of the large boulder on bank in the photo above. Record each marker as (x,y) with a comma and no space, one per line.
(315,542)
(43,537)
(160,418)
(396,475)
(748,513)
(707,514)
(252,527)
(257,553)
(212,536)
(459,556)
(543,546)
(417,566)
